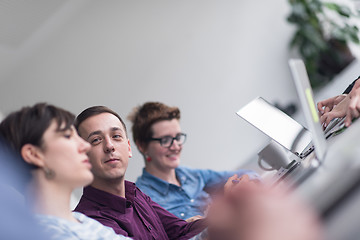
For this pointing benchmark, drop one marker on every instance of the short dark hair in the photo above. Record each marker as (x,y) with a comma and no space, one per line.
(96,110)
(29,124)
(144,116)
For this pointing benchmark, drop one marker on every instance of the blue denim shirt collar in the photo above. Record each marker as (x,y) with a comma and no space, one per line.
(160,185)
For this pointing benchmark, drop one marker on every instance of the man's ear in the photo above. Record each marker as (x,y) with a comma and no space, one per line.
(129,147)
(32,155)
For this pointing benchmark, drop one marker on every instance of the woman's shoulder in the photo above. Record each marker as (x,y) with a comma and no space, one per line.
(86,228)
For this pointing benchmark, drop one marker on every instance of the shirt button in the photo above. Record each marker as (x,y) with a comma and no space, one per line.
(191,200)
(149,227)
(182,214)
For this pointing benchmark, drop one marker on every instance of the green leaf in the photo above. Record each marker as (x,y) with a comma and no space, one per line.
(312,19)
(344,11)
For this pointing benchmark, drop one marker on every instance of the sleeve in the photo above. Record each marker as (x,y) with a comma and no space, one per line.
(60,234)
(201,236)
(54,230)
(104,220)
(348,89)
(177,228)
(214,179)
(105,231)
(110,223)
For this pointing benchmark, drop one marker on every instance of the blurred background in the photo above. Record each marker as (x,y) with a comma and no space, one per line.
(208,57)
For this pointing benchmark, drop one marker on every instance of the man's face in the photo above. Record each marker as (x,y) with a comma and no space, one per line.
(110,147)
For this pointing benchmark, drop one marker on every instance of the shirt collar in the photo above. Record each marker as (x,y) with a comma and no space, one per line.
(182,175)
(110,200)
(160,185)
(156,183)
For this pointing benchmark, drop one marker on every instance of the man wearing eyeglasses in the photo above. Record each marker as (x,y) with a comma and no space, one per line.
(112,200)
(183,191)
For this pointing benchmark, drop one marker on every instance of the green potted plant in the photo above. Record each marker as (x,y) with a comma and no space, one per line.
(322,37)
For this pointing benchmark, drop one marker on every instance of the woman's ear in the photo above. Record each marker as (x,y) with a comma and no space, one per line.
(32,155)
(140,146)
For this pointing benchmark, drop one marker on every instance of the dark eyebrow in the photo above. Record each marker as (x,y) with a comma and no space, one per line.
(61,130)
(116,129)
(113,129)
(94,133)
(121,130)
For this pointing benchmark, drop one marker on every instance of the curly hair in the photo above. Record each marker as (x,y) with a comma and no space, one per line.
(144,116)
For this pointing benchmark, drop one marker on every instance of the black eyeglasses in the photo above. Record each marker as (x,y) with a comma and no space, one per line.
(168,141)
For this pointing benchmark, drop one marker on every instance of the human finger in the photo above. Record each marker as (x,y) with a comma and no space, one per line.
(327,109)
(230,182)
(326,103)
(320,107)
(244,178)
(349,115)
(355,105)
(323,119)
(348,119)
(354,112)
(194,218)
(322,104)
(334,114)
(326,118)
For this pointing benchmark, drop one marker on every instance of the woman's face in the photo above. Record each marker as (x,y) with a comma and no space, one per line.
(161,157)
(64,152)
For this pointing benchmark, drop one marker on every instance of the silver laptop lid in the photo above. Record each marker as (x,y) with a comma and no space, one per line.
(308,106)
(276,124)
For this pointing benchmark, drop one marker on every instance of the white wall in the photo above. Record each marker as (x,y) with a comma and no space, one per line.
(208,57)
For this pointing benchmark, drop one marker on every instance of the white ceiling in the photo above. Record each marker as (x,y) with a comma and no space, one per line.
(19,19)
(25,24)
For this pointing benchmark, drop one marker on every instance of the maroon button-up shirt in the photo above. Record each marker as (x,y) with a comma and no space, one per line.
(136,215)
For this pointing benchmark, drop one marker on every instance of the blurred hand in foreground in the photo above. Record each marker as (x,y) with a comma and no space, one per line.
(252,211)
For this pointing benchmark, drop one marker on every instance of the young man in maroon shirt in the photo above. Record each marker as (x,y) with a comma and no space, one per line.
(111,199)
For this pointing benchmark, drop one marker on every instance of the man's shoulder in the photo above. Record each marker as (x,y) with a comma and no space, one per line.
(84,205)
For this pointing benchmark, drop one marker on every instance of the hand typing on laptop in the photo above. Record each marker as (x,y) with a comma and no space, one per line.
(345,105)
(328,104)
(331,108)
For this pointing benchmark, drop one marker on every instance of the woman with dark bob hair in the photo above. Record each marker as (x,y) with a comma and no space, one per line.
(45,138)
(180,190)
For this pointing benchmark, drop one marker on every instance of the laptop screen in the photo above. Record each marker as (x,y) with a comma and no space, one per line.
(276,124)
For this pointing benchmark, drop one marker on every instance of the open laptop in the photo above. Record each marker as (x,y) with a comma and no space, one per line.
(333,190)
(308,106)
(277,125)
(285,130)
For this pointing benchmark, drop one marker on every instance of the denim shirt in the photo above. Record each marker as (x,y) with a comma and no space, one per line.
(192,197)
